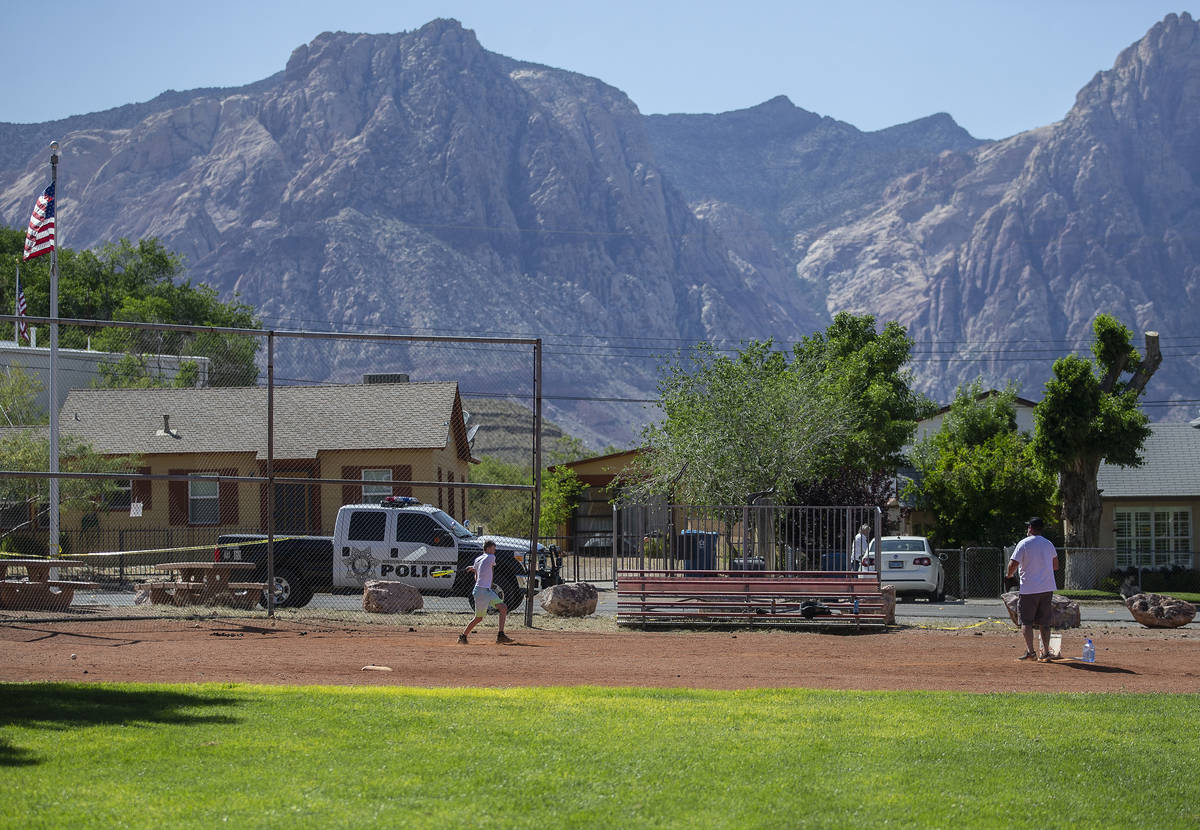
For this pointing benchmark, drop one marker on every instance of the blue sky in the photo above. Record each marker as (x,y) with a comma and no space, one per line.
(997,67)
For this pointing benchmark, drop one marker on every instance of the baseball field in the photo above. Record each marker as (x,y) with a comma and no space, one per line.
(221,723)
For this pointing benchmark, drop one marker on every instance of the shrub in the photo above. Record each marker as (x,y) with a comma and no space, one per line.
(24,545)
(1161,580)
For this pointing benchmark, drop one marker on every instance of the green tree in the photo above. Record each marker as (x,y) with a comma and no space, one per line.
(29,451)
(865,369)
(503,512)
(561,491)
(507,512)
(978,475)
(736,428)
(18,397)
(1090,415)
(138,283)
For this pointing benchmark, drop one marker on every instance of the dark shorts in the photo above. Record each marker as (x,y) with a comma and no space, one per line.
(1035,609)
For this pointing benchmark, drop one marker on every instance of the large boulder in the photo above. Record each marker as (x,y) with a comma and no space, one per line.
(1064,612)
(571,599)
(1158,611)
(384,596)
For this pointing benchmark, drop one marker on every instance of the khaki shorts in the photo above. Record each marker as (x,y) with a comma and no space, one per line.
(1035,609)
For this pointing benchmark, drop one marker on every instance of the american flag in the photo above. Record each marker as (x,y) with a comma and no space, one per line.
(22,326)
(39,239)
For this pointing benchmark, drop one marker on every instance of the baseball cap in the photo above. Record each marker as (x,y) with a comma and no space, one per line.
(1035,522)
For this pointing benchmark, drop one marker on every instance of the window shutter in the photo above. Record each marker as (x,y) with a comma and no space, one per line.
(402,473)
(350,493)
(177,501)
(140,489)
(227,499)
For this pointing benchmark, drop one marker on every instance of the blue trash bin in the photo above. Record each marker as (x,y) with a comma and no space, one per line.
(834,561)
(698,550)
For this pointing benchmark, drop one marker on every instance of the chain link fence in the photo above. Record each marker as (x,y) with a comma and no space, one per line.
(206,472)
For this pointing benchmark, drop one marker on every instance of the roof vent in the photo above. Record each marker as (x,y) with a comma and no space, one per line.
(385,377)
(166,431)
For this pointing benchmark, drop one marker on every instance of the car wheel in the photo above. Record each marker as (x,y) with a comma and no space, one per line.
(289,591)
(940,594)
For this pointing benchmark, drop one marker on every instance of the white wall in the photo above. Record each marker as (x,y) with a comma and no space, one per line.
(80,368)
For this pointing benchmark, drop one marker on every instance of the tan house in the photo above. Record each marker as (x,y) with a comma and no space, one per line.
(1149,512)
(365,432)
(593,517)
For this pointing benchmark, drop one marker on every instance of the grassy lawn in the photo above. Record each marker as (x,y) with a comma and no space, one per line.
(247,756)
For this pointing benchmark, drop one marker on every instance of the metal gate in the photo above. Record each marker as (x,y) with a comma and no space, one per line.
(738,537)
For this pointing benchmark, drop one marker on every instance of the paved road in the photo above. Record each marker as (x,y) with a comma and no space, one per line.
(911,612)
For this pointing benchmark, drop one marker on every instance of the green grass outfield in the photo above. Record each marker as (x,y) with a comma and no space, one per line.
(224,755)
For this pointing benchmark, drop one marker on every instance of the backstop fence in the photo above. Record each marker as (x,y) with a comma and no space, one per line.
(185,486)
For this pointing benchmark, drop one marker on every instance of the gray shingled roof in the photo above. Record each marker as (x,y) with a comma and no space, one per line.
(1171,467)
(234,419)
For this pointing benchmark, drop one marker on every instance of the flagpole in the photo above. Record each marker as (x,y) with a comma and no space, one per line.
(54,356)
(17,304)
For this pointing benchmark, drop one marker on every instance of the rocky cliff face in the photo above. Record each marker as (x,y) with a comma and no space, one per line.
(417,183)
(999,257)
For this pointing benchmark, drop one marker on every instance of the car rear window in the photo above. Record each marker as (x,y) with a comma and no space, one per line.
(903,545)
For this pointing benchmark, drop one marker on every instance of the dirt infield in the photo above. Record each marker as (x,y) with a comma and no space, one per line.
(980,659)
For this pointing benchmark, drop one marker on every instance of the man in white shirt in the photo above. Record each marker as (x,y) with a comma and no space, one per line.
(859,547)
(482,594)
(1035,560)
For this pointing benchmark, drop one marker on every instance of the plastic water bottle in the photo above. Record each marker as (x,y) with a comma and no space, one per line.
(1089,651)
(856,605)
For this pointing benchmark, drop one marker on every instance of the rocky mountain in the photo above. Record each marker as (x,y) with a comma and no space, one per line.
(996,256)
(417,183)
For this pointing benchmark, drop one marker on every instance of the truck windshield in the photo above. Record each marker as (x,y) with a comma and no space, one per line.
(455,528)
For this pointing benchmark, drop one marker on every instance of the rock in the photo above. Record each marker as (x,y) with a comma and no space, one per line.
(1158,611)
(571,599)
(382,596)
(889,603)
(1064,612)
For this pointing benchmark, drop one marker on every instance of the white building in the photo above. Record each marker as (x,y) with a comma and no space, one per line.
(80,368)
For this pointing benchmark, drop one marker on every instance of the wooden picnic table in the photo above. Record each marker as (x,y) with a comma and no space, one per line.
(205,583)
(37,591)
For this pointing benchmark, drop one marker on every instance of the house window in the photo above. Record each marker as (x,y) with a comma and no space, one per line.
(204,507)
(1151,537)
(120,495)
(375,493)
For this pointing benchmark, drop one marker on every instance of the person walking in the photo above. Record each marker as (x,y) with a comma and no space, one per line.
(1035,560)
(482,594)
(858,548)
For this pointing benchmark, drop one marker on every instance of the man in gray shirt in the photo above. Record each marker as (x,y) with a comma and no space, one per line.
(1035,560)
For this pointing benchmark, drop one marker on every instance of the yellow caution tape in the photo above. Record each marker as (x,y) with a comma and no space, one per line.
(963,627)
(210,546)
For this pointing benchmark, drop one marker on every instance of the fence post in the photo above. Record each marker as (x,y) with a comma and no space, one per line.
(962,573)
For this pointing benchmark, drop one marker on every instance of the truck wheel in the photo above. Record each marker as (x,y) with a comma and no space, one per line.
(509,593)
(289,591)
